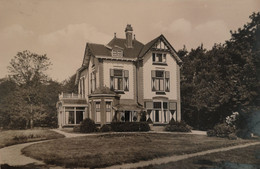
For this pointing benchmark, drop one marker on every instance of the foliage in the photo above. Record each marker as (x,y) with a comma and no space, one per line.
(175,126)
(231,120)
(69,86)
(129,126)
(105,128)
(28,97)
(221,130)
(88,126)
(225,79)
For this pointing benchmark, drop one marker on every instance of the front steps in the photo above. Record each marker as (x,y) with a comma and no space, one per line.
(157,128)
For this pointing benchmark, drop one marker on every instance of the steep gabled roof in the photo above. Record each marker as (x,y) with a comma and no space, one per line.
(128,52)
(99,49)
(150,44)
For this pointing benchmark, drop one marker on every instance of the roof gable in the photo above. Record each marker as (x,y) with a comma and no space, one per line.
(160,43)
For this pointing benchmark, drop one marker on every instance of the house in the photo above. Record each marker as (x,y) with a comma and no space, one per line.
(125,80)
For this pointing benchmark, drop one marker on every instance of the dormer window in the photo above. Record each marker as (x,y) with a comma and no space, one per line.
(117,53)
(159,58)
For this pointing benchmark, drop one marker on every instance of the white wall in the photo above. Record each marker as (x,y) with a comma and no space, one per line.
(148,66)
(108,64)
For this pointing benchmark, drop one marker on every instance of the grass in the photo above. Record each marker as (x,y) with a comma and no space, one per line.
(11,137)
(248,157)
(111,149)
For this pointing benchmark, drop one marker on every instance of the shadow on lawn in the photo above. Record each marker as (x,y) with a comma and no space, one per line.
(224,164)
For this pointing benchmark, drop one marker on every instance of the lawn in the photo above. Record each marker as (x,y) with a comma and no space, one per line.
(243,158)
(111,149)
(11,137)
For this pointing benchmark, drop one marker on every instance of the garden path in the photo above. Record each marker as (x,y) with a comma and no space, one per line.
(12,155)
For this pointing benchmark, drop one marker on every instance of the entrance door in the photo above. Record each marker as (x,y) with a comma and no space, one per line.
(127,115)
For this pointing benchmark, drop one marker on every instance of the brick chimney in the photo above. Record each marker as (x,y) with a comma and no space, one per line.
(128,34)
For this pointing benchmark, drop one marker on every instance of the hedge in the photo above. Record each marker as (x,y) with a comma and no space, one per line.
(177,127)
(129,126)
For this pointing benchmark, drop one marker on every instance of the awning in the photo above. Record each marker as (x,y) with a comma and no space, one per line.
(128,107)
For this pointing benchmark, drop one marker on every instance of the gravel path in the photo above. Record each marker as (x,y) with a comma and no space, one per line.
(12,155)
(175,158)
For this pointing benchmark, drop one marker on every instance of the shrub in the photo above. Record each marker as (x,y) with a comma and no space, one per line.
(221,130)
(243,133)
(76,129)
(177,126)
(149,121)
(105,128)
(130,126)
(88,126)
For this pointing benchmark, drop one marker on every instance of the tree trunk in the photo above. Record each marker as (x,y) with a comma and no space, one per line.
(31,120)
(31,123)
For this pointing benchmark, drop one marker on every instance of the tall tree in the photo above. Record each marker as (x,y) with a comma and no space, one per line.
(223,79)
(28,71)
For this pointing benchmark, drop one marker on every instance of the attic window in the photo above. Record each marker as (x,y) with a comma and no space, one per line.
(159,58)
(117,53)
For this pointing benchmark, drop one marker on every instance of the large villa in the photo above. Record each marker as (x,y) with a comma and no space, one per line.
(127,81)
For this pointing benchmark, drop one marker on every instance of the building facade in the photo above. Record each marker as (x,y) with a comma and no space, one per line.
(125,80)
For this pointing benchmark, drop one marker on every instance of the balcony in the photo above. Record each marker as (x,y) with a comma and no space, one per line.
(70,96)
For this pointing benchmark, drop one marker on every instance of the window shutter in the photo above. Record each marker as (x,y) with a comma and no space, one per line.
(167,74)
(126,73)
(173,106)
(149,105)
(112,72)
(153,73)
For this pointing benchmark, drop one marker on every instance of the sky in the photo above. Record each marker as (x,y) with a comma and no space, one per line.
(61,28)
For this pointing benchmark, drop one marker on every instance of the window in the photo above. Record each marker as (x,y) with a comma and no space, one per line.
(117,53)
(119,79)
(93,81)
(82,86)
(160,80)
(98,118)
(108,111)
(160,111)
(71,117)
(159,57)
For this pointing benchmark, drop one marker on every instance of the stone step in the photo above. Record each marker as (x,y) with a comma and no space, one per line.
(157,128)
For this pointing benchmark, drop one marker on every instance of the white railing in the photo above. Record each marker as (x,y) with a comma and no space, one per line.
(70,96)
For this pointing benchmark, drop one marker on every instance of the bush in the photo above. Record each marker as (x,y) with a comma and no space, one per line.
(129,126)
(76,129)
(243,133)
(221,130)
(88,126)
(105,128)
(177,126)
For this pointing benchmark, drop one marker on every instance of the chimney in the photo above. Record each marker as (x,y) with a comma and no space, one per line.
(128,34)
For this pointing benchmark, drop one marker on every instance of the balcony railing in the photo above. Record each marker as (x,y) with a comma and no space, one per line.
(70,96)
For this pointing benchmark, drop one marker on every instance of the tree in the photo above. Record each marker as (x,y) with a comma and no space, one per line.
(222,80)
(69,85)
(28,71)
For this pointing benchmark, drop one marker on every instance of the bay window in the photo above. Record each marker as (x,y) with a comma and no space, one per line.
(98,116)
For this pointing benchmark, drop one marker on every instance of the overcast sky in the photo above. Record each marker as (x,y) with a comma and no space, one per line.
(61,28)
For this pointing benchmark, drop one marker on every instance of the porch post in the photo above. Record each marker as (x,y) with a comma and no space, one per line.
(75,115)
(63,116)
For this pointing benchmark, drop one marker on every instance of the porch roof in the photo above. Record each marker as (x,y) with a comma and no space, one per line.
(74,101)
(128,107)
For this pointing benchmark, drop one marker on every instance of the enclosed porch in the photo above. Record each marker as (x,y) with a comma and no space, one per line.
(72,110)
